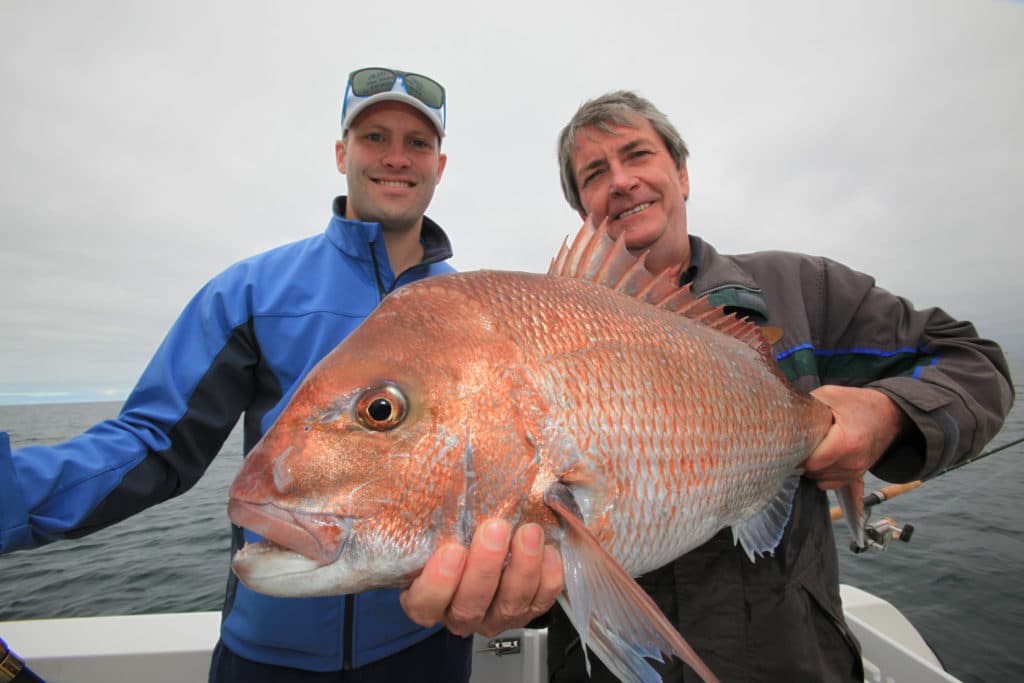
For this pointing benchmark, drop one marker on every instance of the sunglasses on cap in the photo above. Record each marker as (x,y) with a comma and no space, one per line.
(363,84)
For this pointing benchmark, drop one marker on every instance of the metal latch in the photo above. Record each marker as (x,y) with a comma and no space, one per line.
(503,646)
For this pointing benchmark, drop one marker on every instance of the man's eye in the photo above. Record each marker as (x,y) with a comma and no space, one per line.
(590,176)
(374,137)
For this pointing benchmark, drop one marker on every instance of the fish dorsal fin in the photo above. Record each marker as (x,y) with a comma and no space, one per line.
(595,257)
(611,612)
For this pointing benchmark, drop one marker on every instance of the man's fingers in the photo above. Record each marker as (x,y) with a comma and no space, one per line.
(501,582)
(552,581)
(481,577)
(513,603)
(426,599)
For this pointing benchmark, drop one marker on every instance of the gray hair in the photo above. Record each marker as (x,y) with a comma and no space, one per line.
(618,108)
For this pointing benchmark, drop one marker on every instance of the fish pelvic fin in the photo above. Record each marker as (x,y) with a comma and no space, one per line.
(760,534)
(611,612)
(595,257)
(851,502)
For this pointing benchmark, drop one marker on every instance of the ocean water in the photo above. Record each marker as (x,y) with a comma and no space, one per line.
(958,580)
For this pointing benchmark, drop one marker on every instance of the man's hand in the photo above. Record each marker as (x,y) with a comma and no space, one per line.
(475,592)
(866,422)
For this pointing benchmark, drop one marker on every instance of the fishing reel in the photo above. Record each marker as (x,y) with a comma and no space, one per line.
(882,532)
(878,535)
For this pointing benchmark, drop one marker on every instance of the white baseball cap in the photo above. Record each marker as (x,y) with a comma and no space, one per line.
(377,84)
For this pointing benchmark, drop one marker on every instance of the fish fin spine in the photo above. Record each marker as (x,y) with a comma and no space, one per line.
(595,257)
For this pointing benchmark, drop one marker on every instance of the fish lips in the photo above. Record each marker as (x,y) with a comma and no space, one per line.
(320,537)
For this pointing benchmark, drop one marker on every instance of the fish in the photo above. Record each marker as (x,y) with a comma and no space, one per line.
(630,418)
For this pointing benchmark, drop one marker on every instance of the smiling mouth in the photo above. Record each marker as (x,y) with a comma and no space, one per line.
(394,183)
(633,211)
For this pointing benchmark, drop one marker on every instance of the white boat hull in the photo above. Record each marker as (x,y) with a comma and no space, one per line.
(176,648)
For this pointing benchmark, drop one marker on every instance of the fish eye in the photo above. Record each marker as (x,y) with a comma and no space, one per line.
(381,408)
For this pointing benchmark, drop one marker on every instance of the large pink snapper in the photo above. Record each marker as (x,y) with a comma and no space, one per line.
(630,419)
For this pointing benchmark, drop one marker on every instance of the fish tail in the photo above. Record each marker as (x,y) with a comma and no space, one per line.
(611,612)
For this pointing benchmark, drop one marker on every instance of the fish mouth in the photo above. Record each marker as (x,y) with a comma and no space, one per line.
(319,537)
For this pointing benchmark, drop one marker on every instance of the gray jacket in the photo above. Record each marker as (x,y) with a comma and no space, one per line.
(780,618)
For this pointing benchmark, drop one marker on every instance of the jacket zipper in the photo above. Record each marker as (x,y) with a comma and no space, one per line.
(350,608)
(381,290)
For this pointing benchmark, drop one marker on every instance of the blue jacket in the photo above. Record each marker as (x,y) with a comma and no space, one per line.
(242,345)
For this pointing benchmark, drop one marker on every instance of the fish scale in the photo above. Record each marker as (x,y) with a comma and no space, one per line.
(660,443)
(627,417)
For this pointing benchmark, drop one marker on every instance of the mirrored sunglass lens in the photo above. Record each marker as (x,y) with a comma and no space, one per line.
(425,90)
(372,81)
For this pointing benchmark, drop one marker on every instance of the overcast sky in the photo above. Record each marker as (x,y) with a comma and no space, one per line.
(147,146)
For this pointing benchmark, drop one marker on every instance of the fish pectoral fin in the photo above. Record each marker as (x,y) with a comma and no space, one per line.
(761,533)
(611,612)
(851,502)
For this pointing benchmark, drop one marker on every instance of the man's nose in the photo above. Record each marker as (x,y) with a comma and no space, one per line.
(622,180)
(395,156)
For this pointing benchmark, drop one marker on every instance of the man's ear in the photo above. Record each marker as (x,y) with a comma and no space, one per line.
(684,182)
(339,155)
(442,162)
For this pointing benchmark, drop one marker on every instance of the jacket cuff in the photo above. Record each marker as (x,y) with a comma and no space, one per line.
(930,446)
(905,459)
(14,529)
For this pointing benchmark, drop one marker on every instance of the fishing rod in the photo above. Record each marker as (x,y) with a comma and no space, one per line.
(979,457)
(879,534)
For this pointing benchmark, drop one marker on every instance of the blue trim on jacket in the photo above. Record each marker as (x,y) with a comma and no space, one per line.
(242,344)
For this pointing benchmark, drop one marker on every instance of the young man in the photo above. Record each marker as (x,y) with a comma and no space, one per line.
(243,345)
(912,392)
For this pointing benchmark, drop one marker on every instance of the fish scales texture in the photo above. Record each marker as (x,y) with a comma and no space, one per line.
(478,394)
(682,430)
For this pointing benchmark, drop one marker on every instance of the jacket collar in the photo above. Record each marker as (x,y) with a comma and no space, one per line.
(724,282)
(357,238)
